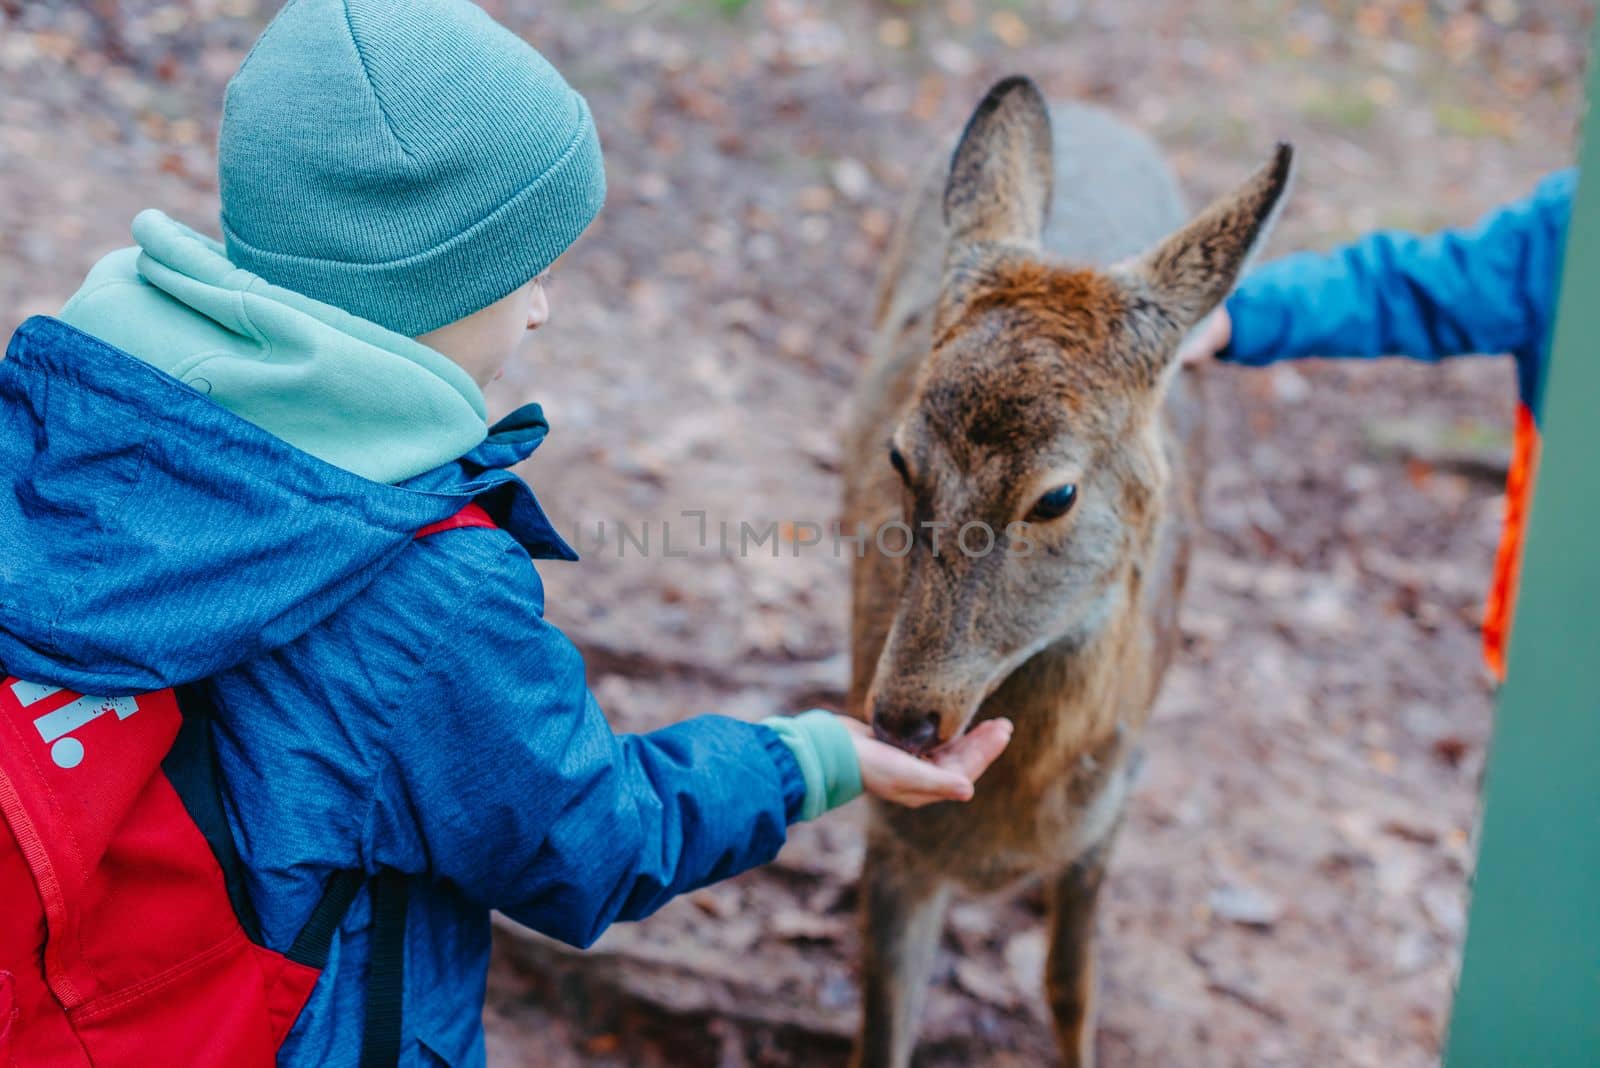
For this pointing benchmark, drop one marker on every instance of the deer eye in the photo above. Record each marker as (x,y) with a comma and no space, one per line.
(1055,504)
(899,463)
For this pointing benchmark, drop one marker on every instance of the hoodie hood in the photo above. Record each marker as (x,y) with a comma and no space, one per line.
(150,537)
(339,387)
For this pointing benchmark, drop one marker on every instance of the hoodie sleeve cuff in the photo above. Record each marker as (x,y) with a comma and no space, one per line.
(826,755)
(1259,318)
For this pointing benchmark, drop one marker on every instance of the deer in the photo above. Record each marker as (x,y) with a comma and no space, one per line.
(1021,381)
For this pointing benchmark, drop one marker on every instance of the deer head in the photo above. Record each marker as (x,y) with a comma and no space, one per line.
(1031,450)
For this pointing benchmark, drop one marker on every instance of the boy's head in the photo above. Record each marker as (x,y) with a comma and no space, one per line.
(409,161)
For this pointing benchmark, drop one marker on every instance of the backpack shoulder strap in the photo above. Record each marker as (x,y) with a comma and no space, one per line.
(191,766)
(381,1027)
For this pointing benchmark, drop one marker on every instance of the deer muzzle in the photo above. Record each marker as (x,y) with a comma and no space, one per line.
(918,711)
(912,729)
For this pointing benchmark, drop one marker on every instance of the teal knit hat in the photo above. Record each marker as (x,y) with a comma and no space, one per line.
(409,161)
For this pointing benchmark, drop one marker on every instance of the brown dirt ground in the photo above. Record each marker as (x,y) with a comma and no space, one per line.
(1314,760)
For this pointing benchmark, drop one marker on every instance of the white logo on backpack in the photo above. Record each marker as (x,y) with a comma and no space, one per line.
(56,727)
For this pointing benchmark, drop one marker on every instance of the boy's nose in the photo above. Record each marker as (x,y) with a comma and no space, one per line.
(538,308)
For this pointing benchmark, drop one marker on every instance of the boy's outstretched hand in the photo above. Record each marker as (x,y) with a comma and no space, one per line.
(946,775)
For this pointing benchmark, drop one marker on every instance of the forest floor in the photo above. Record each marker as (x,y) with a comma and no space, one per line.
(1290,885)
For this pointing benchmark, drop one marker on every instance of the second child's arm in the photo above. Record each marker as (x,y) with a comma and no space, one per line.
(1488,289)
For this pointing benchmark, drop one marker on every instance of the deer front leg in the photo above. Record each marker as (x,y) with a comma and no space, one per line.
(1069,972)
(903,914)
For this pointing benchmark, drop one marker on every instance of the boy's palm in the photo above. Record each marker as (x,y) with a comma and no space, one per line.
(946,775)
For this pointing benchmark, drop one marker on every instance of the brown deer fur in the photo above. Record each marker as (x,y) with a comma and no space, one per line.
(1021,346)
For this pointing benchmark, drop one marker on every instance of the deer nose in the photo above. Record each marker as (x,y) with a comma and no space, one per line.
(914,732)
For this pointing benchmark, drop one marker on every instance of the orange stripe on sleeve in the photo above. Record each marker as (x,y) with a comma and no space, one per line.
(1497,614)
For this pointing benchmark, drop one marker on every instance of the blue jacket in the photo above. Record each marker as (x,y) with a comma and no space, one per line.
(382,702)
(1490,289)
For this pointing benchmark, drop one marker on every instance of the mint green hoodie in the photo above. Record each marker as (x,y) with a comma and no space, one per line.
(341,388)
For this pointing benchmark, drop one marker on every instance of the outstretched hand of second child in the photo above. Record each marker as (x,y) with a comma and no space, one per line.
(1206,341)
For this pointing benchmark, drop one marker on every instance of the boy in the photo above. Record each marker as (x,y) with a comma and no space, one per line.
(1489,289)
(215,464)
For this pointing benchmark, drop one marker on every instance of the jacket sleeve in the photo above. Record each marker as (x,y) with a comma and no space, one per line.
(1490,289)
(506,780)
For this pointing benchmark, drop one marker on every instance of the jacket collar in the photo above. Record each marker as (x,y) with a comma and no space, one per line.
(507,498)
(50,347)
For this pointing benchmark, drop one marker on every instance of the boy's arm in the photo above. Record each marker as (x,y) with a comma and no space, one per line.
(506,781)
(1489,289)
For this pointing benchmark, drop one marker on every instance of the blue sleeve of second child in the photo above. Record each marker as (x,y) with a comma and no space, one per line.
(1489,289)
(507,781)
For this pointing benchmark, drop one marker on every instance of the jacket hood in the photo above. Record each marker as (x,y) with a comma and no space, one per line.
(150,537)
(339,387)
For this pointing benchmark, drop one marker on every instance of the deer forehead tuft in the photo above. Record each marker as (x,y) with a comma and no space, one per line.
(1030,350)
(1072,305)
(1010,400)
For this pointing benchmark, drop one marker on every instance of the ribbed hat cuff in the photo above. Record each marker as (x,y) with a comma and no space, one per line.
(464,274)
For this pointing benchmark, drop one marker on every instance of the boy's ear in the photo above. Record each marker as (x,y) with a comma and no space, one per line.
(1190,273)
(1000,178)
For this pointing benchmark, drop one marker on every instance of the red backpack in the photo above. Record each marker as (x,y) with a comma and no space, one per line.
(127,936)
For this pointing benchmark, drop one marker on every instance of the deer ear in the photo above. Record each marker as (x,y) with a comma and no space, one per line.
(1000,174)
(1190,273)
